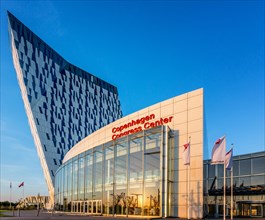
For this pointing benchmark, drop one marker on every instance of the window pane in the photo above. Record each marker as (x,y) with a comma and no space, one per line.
(75,169)
(211,171)
(258,165)
(236,168)
(135,190)
(108,179)
(258,180)
(245,167)
(89,176)
(120,176)
(69,181)
(81,179)
(220,170)
(97,174)
(245,181)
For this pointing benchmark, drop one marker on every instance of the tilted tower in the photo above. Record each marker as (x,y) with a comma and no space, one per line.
(63,103)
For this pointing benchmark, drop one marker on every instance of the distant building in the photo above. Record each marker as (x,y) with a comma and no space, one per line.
(248,186)
(63,103)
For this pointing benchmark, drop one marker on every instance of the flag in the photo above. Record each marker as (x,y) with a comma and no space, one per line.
(186,154)
(218,152)
(229,159)
(21,184)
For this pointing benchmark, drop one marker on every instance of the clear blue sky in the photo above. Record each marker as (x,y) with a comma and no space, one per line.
(152,51)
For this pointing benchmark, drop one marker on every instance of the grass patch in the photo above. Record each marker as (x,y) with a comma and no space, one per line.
(2,213)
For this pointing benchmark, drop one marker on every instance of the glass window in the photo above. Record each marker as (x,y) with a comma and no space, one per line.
(69,180)
(258,165)
(152,193)
(120,176)
(65,193)
(65,178)
(236,168)
(135,190)
(88,175)
(220,170)
(211,171)
(245,167)
(75,179)
(220,183)
(236,181)
(258,180)
(152,176)
(205,170)
(245,181)
(152,141)
(81,173)
(210,183)
(121,163)
(97,174)
(108,179)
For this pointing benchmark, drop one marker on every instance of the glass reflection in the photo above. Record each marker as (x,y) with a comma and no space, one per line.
(121,177)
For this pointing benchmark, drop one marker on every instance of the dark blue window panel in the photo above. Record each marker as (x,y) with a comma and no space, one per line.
(65,94)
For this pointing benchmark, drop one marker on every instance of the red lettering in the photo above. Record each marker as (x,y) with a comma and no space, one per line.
(152,116)
(143,120)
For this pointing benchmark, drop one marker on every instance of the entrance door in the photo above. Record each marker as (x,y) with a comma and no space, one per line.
(94,207)
(256,210)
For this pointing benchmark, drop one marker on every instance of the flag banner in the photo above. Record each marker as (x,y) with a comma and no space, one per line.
(21,184)
(218,152)
(186,154)
(229,159)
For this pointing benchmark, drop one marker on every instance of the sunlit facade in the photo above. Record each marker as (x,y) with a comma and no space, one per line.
(134,166)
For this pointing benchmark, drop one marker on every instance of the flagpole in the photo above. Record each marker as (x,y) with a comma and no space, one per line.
(224,191)
(232,189)
(23,190)
(189,184)
(10,194)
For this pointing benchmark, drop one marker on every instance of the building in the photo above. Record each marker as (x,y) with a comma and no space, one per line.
(135,165)
(63,103)
(248,186)
(97,162)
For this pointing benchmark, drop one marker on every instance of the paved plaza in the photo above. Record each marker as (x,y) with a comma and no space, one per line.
(43,215)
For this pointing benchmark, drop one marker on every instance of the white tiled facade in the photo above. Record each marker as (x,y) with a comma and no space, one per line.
(187,124)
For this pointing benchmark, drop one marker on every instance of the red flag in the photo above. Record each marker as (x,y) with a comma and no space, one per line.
(21,184)
(186,154)
(218,152)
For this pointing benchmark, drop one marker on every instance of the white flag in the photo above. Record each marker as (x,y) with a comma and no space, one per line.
(218,152)
(229,159)
(186,154)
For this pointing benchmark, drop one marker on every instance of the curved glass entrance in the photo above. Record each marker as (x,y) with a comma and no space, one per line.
(121,177)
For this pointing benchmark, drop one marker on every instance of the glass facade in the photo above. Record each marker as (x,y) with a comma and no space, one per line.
(123,177)
(248,182)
